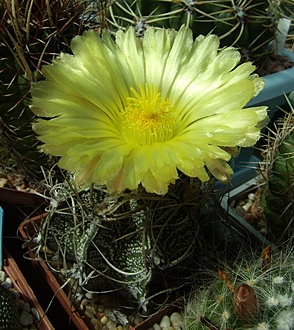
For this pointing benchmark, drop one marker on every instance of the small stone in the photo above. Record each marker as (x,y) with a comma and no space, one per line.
(89,295)
(168,328)
(251,197)
(165,322)
(119,327)
(2,276)
(26,318)
(3,182)
(176,320)
(7,284)
(104,320)
(27,307)
(35,313)
(88,314)
(20,304)
(96,323)
(15,293)
(90,309)
(247,206)
(84,303)
(240,210)
(156,326)
(111,325)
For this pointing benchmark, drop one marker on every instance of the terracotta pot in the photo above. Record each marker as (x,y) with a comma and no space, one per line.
(20,198)
(21,285)
(27,229)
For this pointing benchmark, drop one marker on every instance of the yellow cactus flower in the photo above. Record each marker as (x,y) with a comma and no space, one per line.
(132,111)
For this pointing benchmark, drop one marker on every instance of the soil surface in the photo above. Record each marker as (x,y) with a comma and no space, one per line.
(273,64)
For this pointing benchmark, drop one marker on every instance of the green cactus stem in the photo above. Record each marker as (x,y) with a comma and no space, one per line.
(277,197)
(31,34)
(248,25)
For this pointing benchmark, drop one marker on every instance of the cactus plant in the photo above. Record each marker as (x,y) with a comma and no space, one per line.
(249,25)
(256,293)
(277,187)
(267,203)
(31,34)
(153,235)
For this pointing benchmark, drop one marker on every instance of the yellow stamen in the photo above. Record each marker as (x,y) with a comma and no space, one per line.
(147,118)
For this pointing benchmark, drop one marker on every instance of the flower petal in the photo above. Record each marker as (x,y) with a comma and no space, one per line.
(101,104)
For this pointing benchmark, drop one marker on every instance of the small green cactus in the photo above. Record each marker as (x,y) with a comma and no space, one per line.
(277,188)
(257,293)
(9,316)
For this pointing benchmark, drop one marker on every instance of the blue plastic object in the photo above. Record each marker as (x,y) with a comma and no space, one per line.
(277,85)
(245,168)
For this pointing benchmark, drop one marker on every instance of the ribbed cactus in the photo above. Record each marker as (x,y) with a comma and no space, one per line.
(130,244)
(249,25)
(31,34)
(256,293)
(17,142)
(277,197)
(284,8)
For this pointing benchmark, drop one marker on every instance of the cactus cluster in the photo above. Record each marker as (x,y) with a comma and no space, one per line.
(249,25)
(256,293)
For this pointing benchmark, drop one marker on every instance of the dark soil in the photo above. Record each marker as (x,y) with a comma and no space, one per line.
(273,63)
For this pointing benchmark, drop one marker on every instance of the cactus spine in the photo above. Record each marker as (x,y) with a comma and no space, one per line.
(249,25)
(277,196)
(257,293)
(31,34)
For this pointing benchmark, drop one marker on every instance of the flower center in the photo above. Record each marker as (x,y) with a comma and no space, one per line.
(147,118)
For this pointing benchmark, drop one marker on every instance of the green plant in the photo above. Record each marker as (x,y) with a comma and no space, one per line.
(139,145)
(248,25)
(126,243)
(255,293)
(31,34)
(277,172)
